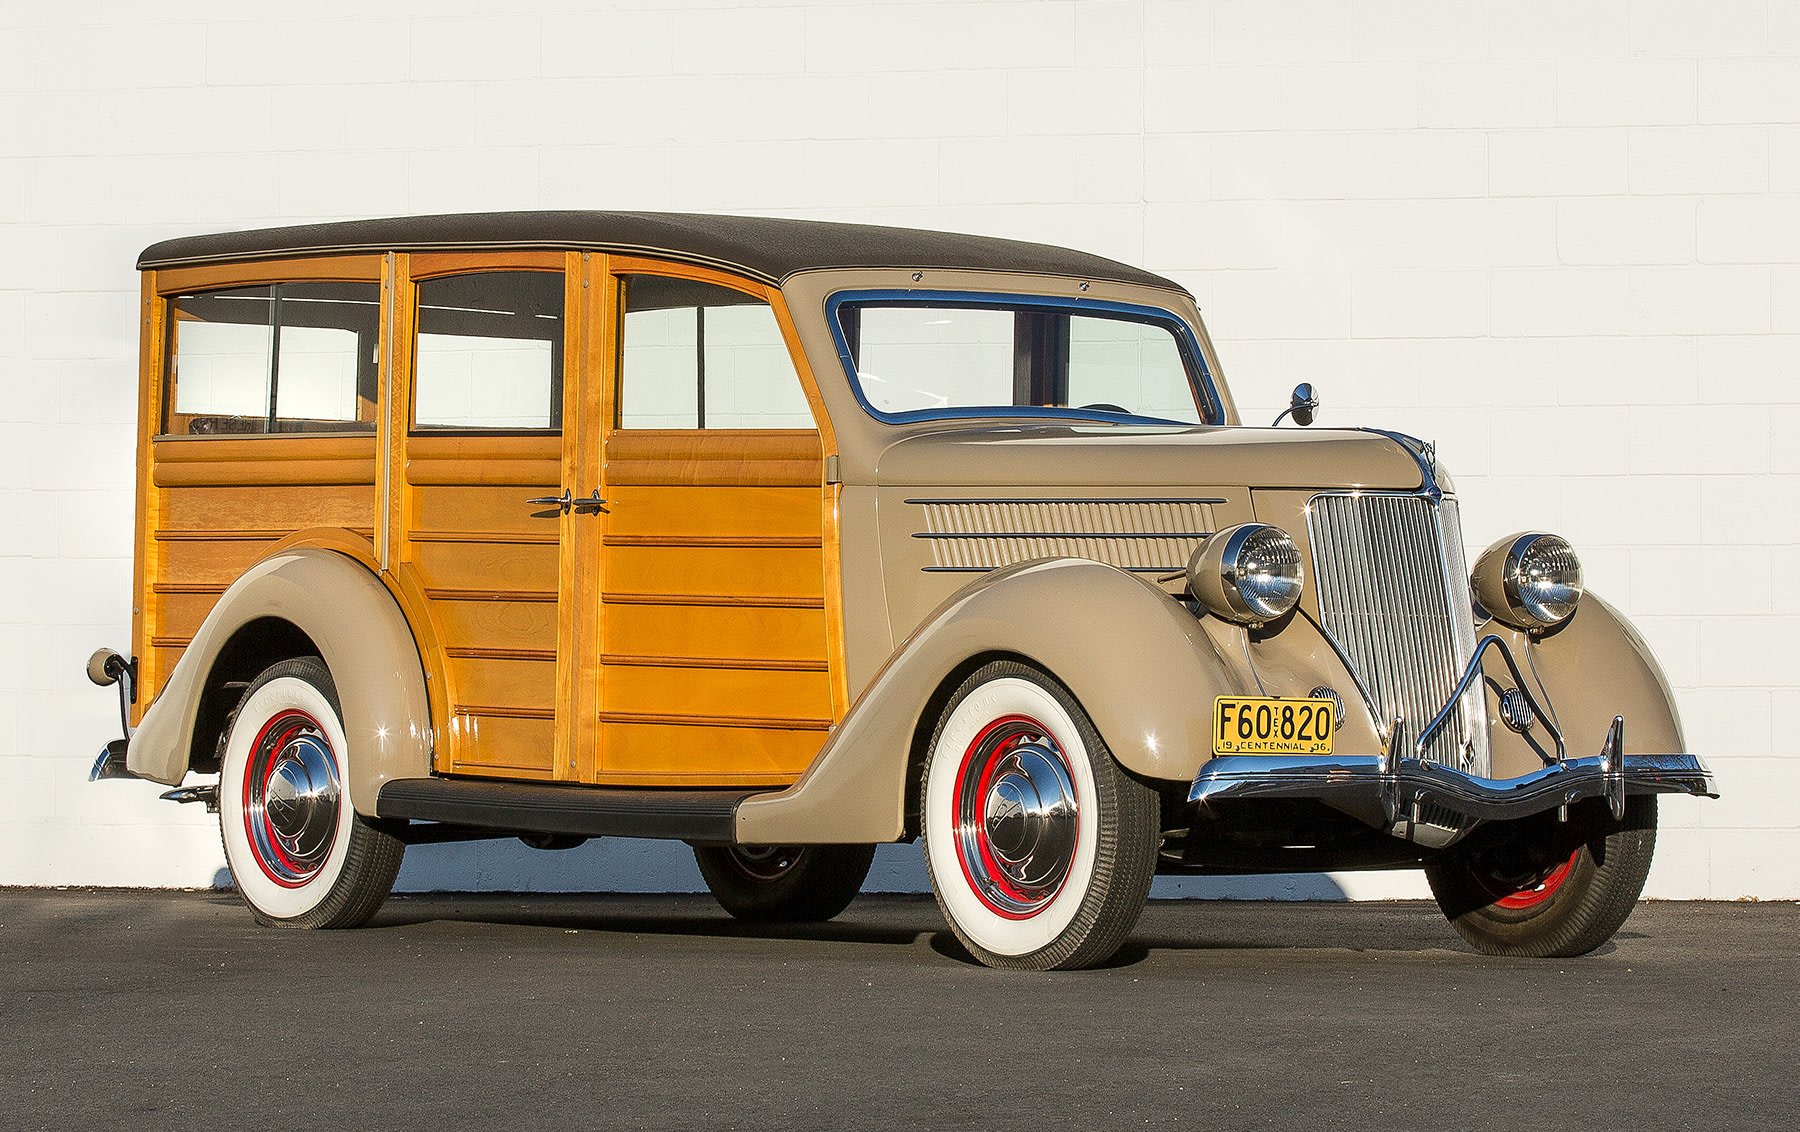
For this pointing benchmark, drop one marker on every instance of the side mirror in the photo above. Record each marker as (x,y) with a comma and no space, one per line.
(1303,405)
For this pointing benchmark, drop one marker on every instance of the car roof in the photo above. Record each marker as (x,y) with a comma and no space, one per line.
(765,248)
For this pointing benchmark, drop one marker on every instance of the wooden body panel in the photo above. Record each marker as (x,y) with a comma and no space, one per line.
(686,637)
(221,505)
(717,666)
(488,568)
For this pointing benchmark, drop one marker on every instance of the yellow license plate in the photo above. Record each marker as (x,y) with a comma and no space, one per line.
(1264,725)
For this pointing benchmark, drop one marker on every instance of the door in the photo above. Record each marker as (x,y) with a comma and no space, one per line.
(715,647)
(486,349)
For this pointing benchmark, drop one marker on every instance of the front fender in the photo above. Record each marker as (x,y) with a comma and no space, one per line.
(362,636)
(1590,669)
(1136,659)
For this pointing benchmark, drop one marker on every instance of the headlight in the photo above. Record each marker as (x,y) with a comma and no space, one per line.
(1531,580)
(1249,574)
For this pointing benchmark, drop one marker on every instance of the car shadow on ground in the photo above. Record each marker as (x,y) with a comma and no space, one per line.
(905,920)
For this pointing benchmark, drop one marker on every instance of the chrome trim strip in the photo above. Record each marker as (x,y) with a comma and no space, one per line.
(1082,499)
(1397,787)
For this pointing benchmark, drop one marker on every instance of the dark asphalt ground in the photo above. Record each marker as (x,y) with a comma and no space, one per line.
(173,1010)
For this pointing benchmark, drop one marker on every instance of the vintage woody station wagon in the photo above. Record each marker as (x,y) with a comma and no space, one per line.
(787,539)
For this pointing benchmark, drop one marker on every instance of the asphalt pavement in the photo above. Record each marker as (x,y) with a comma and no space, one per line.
(130,1009)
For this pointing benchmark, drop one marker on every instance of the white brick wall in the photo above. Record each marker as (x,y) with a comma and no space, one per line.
(1562,237)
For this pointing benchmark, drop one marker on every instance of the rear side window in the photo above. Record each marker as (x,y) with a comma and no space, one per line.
(489,354)
(696,355)
(285,358)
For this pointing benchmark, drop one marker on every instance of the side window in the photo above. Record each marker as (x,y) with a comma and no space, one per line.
(291,357)
(697,355)
(489,352)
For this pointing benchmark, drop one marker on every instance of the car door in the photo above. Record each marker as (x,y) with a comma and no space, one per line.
(478,510)
(717,660)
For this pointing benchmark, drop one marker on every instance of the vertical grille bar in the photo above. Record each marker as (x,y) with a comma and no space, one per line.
(1392,596)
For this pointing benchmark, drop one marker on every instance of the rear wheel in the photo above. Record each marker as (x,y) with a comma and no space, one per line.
(784,883)
(1041,848)
(299,853)
(1545,898)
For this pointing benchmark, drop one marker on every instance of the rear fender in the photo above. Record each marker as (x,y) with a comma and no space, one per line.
(361,635)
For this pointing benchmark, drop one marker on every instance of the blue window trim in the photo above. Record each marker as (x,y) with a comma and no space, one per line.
(1193,358)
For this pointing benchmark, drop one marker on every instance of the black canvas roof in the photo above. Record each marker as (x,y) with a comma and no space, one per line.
(762,247)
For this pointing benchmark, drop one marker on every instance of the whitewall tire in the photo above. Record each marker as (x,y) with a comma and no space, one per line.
(1041,848)
(297,850)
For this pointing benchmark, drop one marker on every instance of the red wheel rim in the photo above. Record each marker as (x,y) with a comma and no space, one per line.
(1014,817)
(1542,891)
(291,797)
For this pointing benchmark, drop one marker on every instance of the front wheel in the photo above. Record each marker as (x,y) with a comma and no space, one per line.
(1041,848)
(299,853)
(784,883)
(1545,899)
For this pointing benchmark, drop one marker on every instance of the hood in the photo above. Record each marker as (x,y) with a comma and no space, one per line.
(1078,455)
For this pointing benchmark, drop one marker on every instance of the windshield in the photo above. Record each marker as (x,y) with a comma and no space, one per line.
(916,354)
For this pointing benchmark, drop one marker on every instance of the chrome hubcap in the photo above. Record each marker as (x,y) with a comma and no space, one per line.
(1015,816)
(291,798)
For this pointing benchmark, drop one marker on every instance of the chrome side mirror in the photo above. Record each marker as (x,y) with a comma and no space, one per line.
(1303,405)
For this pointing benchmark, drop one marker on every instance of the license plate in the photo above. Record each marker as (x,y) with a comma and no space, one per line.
(1265,725)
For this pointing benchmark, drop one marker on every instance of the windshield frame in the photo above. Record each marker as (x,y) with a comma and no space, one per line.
(1193,358)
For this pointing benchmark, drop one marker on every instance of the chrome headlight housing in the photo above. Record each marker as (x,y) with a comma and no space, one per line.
(1531,580)
(1249,574)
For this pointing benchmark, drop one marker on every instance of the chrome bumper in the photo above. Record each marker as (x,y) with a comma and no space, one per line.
(1398,787)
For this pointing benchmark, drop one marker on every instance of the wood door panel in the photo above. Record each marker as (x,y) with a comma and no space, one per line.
(673,754)
(714,631)
(511,625)
(487,510)
(508,684)
(797,696)
(504,746)
(671,511)
(763,571)
(496,567)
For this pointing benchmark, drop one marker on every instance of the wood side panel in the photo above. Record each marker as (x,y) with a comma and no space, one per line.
(486,566)
(715,570)
(483,459)
(217,561)
(182,612)
(153,663)
(797,696)
(495,624)
(677,630)
(737,511)
(485,509)
(675,754)
(281,507)
(357,268)
(502,746)
(528,684)
(716,457)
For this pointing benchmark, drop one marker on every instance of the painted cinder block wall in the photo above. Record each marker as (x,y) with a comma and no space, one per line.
(1561,238)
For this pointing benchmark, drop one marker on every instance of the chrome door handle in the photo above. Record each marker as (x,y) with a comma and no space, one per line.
(560,502)
(592,505)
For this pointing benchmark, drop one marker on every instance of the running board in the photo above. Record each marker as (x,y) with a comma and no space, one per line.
(585,811)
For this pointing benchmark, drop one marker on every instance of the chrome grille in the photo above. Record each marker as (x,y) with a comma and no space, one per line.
(1393,597)
(1145,535)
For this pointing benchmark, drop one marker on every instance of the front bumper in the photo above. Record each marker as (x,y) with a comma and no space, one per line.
(1402,788)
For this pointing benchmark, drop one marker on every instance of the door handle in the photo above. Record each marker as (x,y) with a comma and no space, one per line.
(592,505)
(559,502)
